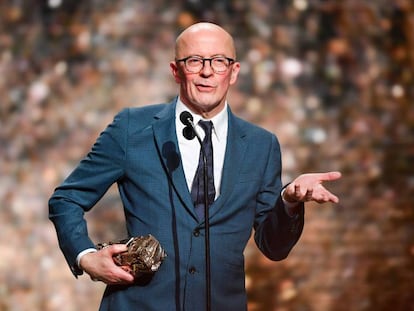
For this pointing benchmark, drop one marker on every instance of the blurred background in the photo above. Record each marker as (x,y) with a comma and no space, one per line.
(332,79)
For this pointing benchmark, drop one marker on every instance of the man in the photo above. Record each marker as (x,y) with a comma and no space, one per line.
(145,152)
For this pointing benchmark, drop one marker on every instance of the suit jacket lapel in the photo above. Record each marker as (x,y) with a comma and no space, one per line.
(235,151)
(167,144)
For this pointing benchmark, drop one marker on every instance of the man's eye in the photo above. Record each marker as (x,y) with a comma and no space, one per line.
(193,61)
(220,60)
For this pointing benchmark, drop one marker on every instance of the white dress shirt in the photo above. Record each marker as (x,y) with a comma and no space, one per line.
(190,149)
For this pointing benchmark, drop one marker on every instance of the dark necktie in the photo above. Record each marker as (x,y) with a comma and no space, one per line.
(197,189)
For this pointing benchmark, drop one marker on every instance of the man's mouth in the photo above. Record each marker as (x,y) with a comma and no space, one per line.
(204,87)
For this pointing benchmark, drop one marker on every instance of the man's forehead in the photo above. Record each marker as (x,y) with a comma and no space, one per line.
(205,40)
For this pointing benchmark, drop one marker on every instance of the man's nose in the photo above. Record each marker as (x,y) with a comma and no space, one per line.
(207,70)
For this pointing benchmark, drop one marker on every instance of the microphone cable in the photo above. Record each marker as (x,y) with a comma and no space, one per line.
(189,132)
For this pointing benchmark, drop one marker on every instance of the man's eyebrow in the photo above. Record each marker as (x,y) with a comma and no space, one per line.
(214,55)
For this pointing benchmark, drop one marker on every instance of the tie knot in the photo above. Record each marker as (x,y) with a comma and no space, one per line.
(207,126)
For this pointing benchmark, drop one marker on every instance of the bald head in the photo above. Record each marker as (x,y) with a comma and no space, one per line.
(189,40)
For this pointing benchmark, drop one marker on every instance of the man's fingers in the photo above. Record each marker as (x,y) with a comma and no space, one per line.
(308,195)
(297,191)
(308,187)
(333,198)
(123,276)
(117,248)
(104,268)
(325,196)
(329,176)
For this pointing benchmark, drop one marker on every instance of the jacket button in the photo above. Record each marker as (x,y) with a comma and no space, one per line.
(192,270)
(196,232)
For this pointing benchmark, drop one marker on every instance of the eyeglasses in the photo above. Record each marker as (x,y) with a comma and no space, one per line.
(195,64)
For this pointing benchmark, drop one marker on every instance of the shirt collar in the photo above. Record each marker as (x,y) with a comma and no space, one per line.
(219,121)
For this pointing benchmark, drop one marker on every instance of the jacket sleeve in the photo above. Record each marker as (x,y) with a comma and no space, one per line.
(276,233)
(83,188)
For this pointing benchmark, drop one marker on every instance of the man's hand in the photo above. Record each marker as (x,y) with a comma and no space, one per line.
(101,267)
(308,187)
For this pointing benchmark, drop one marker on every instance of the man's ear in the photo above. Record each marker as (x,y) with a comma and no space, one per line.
(175,72)
(234,73)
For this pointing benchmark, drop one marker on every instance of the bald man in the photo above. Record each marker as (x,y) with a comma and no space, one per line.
(146,152)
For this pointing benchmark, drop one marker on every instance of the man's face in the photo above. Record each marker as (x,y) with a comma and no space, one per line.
(205,92)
